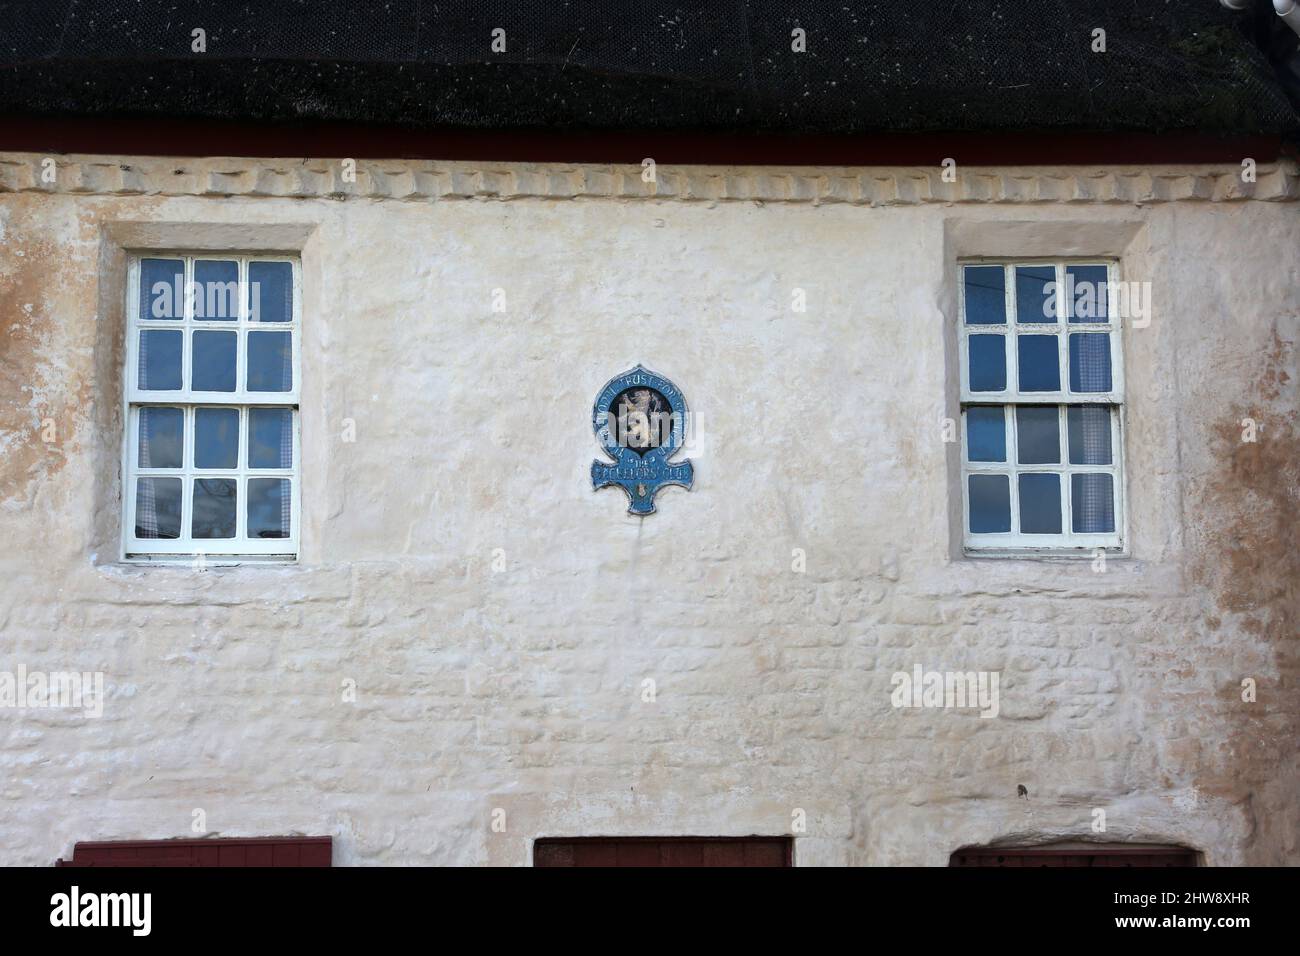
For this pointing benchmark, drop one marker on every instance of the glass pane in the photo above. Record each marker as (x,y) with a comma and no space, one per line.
(986,302)
(157,507)
(270,438)
(269,506)
(162,289)
(986,434)
(990,504)
(1089,427)
(1086,293)
(1040,504)
(216,296)
(270,359)
(1039,363)
(988,363)
(162,438)
(270,292)
(1093,504)
(160,360)
(213,358)
(1038,435)
(1034,299)
(216,438)
(214,507)
(1090,362)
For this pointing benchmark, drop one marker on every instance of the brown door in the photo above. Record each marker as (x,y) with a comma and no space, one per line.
(1075,855)
(664,851)
(219,851)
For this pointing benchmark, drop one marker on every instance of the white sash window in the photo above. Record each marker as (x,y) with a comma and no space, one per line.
(1042,391)
(212,382)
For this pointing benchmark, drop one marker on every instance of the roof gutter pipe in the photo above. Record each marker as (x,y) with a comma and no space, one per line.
(1288,11)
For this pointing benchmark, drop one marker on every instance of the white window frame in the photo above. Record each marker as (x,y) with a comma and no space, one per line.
(1014,542)
(186,547)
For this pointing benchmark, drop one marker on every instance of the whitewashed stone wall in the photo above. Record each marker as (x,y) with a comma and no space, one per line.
(523,689)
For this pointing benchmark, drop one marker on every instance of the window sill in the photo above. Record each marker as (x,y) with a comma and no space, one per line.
(1060,554)
(206,561)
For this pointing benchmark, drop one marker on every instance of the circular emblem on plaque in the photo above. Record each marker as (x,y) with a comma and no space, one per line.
(640,419)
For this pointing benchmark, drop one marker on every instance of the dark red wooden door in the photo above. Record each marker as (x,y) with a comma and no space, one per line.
(1086,855)
(664,851)
(221,851)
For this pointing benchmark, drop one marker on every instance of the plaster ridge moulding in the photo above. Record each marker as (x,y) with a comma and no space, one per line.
(423,180)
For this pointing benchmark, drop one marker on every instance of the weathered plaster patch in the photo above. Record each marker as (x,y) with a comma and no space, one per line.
(42,392)
(1247,551)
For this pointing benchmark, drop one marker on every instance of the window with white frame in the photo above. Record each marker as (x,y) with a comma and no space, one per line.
(1041,398)
(212,446)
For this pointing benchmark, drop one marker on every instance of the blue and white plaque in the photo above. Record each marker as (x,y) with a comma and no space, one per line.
(641,420)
